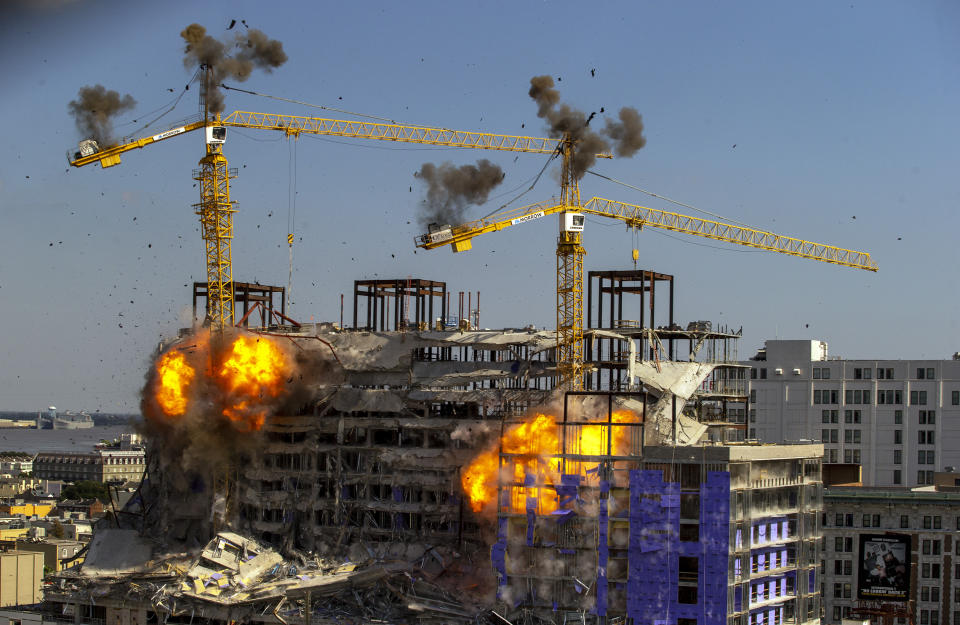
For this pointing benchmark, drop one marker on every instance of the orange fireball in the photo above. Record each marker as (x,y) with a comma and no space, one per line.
(174,378)
(252,371)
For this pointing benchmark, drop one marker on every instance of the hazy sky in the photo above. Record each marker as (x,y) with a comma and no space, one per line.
(830,121)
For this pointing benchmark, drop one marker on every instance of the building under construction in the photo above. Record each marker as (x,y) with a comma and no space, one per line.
(633,501)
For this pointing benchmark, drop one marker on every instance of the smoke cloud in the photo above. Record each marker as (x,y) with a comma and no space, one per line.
(235,58)
(451,189)
(563,120)
(94,109)
(627,134)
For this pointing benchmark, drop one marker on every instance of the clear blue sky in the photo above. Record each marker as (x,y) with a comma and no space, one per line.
(836,109)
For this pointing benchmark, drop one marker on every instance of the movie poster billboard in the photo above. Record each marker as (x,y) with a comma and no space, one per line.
(884,567)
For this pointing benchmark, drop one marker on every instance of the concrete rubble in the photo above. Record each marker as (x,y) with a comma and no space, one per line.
(235,578)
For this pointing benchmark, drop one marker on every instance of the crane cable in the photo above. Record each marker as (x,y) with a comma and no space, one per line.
(301,102)
(663,197)
(529,189)
(291,209)
(166,108)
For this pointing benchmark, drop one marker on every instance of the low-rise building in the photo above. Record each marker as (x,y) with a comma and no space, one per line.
(26,508)
(58,553)
(102,465)
(21,575)
(89,508)
(893,546)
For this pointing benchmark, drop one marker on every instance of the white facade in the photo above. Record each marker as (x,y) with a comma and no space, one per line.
(898,419)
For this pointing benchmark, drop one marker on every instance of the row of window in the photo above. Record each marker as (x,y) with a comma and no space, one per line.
(849,436)
(856,396)
(866,373)
(841,519)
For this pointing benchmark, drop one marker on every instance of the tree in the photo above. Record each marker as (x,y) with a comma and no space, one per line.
(87,490)
(57,529)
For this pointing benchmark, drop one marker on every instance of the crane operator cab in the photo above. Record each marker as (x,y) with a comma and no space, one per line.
(572,222)
(216,135)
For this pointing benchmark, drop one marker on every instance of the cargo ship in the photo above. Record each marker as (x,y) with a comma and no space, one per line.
(52,420)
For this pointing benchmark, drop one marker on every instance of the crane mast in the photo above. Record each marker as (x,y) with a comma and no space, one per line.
(570,254)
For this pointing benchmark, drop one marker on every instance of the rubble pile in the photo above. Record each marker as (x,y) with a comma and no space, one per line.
(235,578)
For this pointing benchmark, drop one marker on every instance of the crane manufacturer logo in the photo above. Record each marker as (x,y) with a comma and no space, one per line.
(526,218)
(169,133)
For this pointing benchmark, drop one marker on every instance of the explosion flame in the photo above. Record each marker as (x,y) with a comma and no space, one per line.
(252,373)
(242,378)
(175,376)
(531,467)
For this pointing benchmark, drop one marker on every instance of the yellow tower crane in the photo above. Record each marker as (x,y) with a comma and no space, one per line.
(570,250)
(215,208)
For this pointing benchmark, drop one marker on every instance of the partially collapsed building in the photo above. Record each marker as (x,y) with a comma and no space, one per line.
(636,499)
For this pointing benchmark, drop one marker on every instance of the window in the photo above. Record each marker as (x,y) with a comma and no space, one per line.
(897,477)
(849,520)
(880,375)
(931,373)
(763,374)
(904,521)
(867,373)
(931,460)
(825,416)
(857,374)
(838,522)
(898,417)
(816,373)
(897,456)
(920,372)
(753,396)
(838,543)
(826,374)
(921,457)
(936,523)
(898,437)
(838,567)
(918,398)
(825,436)
(889,397)
(925,547)
(927,522)
(936,547)
(955,398)
(837,590)
(934,593)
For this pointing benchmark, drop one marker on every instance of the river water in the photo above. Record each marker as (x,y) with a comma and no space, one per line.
(32,441)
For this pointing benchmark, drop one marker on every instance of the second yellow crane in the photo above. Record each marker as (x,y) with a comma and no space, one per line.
(570,250)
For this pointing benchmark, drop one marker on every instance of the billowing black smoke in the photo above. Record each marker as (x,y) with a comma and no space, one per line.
(562,120)
(94,109)
(451,189)
(235,58)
